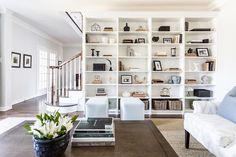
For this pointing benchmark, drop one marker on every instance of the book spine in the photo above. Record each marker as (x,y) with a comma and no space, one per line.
(91,135)
(81,144)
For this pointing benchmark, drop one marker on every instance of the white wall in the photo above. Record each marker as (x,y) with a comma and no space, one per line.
(226,75)
(70,50)
(25,80)
(21,83)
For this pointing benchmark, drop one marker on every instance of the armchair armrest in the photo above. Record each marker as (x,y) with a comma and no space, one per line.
(205,107)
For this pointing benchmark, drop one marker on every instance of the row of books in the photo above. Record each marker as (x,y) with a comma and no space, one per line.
(208,65)
(94,132)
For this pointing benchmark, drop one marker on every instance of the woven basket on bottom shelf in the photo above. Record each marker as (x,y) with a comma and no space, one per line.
(175,104)
(160,104)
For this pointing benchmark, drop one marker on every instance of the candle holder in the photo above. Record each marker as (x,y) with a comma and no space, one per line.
(98,53)
(92,54)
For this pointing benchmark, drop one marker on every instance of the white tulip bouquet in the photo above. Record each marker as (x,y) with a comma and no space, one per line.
(50,126)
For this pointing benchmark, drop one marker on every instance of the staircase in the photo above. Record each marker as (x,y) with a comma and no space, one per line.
(65,86)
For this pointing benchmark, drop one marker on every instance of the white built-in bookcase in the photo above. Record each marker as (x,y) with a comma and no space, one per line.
(144,56)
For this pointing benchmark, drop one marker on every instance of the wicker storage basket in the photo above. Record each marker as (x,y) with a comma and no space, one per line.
(160,104)
(175,104)
(146,104)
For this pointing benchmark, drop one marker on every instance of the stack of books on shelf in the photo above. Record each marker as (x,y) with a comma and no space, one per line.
(94,132)
(209,65)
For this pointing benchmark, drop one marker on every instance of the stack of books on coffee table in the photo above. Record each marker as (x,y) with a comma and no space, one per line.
(94,132)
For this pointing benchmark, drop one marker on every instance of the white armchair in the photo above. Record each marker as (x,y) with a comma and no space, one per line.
(97,107)
(131,109)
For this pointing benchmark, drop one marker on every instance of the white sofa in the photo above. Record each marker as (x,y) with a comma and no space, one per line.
(131,109)
(214,132)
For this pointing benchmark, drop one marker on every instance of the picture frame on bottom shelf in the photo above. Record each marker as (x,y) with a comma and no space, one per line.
(157,66)
(126,79)
(202,52)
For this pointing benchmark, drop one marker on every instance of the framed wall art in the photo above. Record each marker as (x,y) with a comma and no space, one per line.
(27,61)
(15,60)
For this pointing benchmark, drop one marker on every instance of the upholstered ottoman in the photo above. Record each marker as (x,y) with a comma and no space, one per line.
(97,107)
(131,109)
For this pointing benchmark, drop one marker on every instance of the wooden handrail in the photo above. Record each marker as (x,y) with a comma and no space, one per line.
(65,62)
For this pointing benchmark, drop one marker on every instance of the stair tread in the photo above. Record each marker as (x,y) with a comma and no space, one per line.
(62,104)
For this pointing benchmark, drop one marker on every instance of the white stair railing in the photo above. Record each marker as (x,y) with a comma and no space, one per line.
(63,78)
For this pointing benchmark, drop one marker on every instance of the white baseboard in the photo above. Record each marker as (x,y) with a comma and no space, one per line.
(5,108)
(24,99)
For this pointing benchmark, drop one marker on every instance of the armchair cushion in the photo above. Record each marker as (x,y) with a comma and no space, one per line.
(205,107)
(227,108)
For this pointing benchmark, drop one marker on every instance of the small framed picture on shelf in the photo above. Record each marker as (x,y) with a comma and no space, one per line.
(157,66)
(141,40)
(202,52)
(167,40)
(100,90)
(126,79)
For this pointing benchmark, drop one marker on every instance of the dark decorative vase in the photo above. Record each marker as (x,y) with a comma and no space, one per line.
(126,28)
(51,148)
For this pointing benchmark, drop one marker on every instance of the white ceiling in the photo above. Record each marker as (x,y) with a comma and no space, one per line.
(49,17)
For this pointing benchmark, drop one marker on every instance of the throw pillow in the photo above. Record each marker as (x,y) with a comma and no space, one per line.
(227,108)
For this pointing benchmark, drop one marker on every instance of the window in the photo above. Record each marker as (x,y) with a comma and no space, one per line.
(43,70)
(46,59)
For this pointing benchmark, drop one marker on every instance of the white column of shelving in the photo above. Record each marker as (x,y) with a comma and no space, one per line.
(149,58)
(117,65)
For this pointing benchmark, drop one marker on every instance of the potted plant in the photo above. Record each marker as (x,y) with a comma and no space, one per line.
(51,133)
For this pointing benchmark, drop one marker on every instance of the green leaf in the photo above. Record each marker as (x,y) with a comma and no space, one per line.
(27,127)
(74,118)
(39,117)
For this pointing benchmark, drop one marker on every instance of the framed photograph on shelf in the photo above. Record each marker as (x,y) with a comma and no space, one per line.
(202,52)
(167,40)
(157,66)
(27,61)
(141,40)
(126,79)
(100,90)
(15,60)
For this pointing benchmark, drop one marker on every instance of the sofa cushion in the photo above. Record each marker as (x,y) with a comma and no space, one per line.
(211,129)
(227,108)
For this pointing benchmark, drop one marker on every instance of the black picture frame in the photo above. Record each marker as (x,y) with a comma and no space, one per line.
(202,52)
(27,61)
(15,60)
(141,40)
(100,90)
(157,66)
(126,79)
(167,40)
(59,62)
